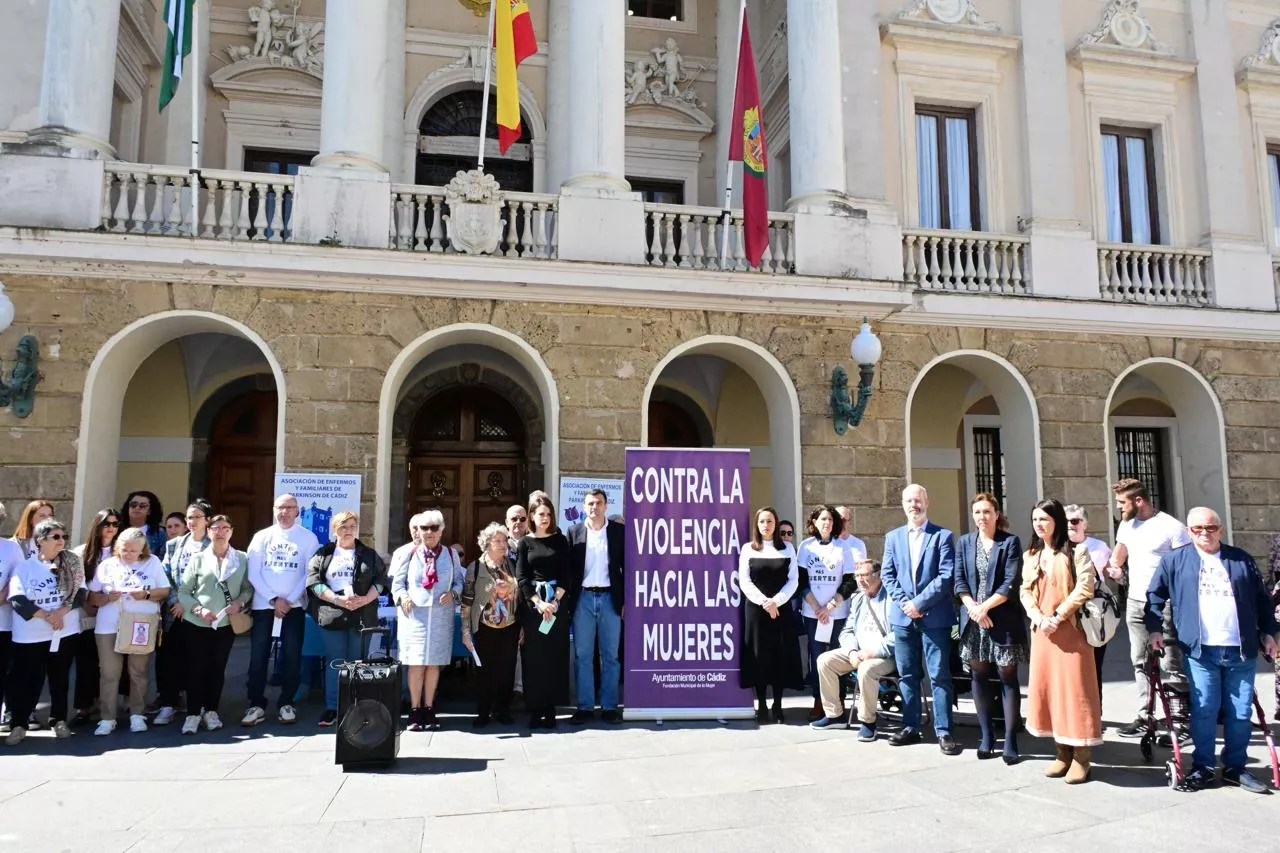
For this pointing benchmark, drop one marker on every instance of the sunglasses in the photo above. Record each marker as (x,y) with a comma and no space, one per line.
(110,524)
(1074,521)
(517,518)
(430,528)
(1205,528)
(56,537)
(788,533)
(139,505)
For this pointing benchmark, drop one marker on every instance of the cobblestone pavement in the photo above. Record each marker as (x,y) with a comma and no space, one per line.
(699,786)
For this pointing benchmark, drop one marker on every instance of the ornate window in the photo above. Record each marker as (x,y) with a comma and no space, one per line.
(449,135)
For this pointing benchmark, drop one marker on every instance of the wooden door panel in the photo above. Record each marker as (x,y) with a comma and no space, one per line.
(469,492)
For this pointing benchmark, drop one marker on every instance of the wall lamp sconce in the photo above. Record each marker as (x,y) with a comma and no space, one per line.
(865,350)
(18,389)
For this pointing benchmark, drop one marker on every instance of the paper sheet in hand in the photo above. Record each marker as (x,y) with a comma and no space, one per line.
(276,626)
(475,656)
(822,633)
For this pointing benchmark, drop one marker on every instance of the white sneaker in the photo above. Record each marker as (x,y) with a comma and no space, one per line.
(212,721)
(16,734)
(191,725)
(287,715)
(137,723)
(105,727)
(61,730)
(163,717)
(253,716)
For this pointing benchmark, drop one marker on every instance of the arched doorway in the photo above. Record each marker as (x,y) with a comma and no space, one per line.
(476,363)
(143,393)
(466,457)
(972,426)
(1165,427)
(447,144)
(719,391)
(241,462)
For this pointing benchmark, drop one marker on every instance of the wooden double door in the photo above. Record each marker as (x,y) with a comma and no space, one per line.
(241,463)
(466,459)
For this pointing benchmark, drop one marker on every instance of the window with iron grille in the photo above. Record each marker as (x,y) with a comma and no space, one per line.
(1140,454)
(988,462)
(671,10)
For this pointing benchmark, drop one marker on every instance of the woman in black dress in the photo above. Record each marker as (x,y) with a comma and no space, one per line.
(768,576)
(546,584)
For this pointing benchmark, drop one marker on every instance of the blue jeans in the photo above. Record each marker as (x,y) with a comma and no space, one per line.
(816,649)
(914,649)
(1220,680)
(289,667)
(594,617)
(340,645)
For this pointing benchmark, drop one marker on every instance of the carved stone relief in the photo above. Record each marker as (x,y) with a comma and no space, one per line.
(1268,55)
(1124,25)
(663,75)
(953,12)
(282,39)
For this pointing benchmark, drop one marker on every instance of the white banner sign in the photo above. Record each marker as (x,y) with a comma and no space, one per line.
(319,497)
(574,489)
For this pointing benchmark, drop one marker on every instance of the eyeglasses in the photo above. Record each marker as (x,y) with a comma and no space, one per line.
(516,518)
(218,527)
(864,576)
(286,506)
(110,524)
(1200,529)
(1074,521)
(139,505)
(788,533)
(56,537)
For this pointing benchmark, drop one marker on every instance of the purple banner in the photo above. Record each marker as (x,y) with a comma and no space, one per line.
(686,515)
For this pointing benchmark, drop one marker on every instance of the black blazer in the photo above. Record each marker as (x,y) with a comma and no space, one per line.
(1004,575)
(617,536)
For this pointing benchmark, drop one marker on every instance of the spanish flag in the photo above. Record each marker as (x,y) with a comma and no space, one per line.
(515,42)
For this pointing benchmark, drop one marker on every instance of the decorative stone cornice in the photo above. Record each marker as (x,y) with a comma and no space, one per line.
(954,13)
(1124,26)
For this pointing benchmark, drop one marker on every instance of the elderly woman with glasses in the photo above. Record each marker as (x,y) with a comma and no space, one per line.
(344,579)
(46,592)
(426,588)
(490,625)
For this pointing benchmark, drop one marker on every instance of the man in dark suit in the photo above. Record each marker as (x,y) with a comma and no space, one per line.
(918,568)
(596,552)
(1222,615)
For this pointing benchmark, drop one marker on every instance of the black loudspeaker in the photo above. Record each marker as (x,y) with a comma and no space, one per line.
(368,726)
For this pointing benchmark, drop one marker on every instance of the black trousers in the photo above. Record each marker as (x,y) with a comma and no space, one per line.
(497,672)
(87,675)
(32,664)
(171,663)
(6,646)
(207,650)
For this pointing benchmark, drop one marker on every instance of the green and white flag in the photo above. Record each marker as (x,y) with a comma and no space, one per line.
(178,15)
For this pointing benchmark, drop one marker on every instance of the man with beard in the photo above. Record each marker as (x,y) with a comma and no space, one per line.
(1145,535)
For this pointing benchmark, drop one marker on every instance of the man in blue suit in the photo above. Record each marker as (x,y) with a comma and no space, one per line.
(1222,615)
(918,567)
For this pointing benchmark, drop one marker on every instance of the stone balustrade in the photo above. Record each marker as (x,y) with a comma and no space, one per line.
(145,199)
(691,237)
(965,261)
(1159,275)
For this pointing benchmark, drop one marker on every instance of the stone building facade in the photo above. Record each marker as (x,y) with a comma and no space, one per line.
(1041,350)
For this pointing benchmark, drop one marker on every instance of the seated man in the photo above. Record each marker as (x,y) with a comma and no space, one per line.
(866,646)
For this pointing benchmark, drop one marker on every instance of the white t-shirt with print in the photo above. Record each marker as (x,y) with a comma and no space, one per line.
(342,570)
(34,579)
(1147,542)
(115,575)
(1219,619)
(825,565)
(10,558)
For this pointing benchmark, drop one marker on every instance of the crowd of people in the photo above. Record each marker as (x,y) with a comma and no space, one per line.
(141,590)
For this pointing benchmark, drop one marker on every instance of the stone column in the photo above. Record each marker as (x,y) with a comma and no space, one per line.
(393,122)
(344,197)
(817,108)
(353,110)
(559,131)
(597,106)
(860,52)
(1061,246)
(727,18)
(79,75)
(1241,262)
(600,219)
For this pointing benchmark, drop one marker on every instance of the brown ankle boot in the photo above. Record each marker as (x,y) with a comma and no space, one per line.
(1079,771)
(1058,767)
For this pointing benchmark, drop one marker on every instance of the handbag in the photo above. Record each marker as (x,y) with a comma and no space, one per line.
(1100,615)
(136,633)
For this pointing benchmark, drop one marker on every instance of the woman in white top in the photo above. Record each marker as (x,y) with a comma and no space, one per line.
(10,558)
(426,588)
(768,577)
(32,514)
(826,585)
(45,591)
(131,581)
(95,550)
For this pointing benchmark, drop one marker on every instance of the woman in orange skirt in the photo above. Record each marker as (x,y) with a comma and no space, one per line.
(1063,701)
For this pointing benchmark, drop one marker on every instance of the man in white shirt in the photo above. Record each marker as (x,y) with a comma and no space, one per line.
(596,550)
(278,558)
(1223,614)
(1145,535)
